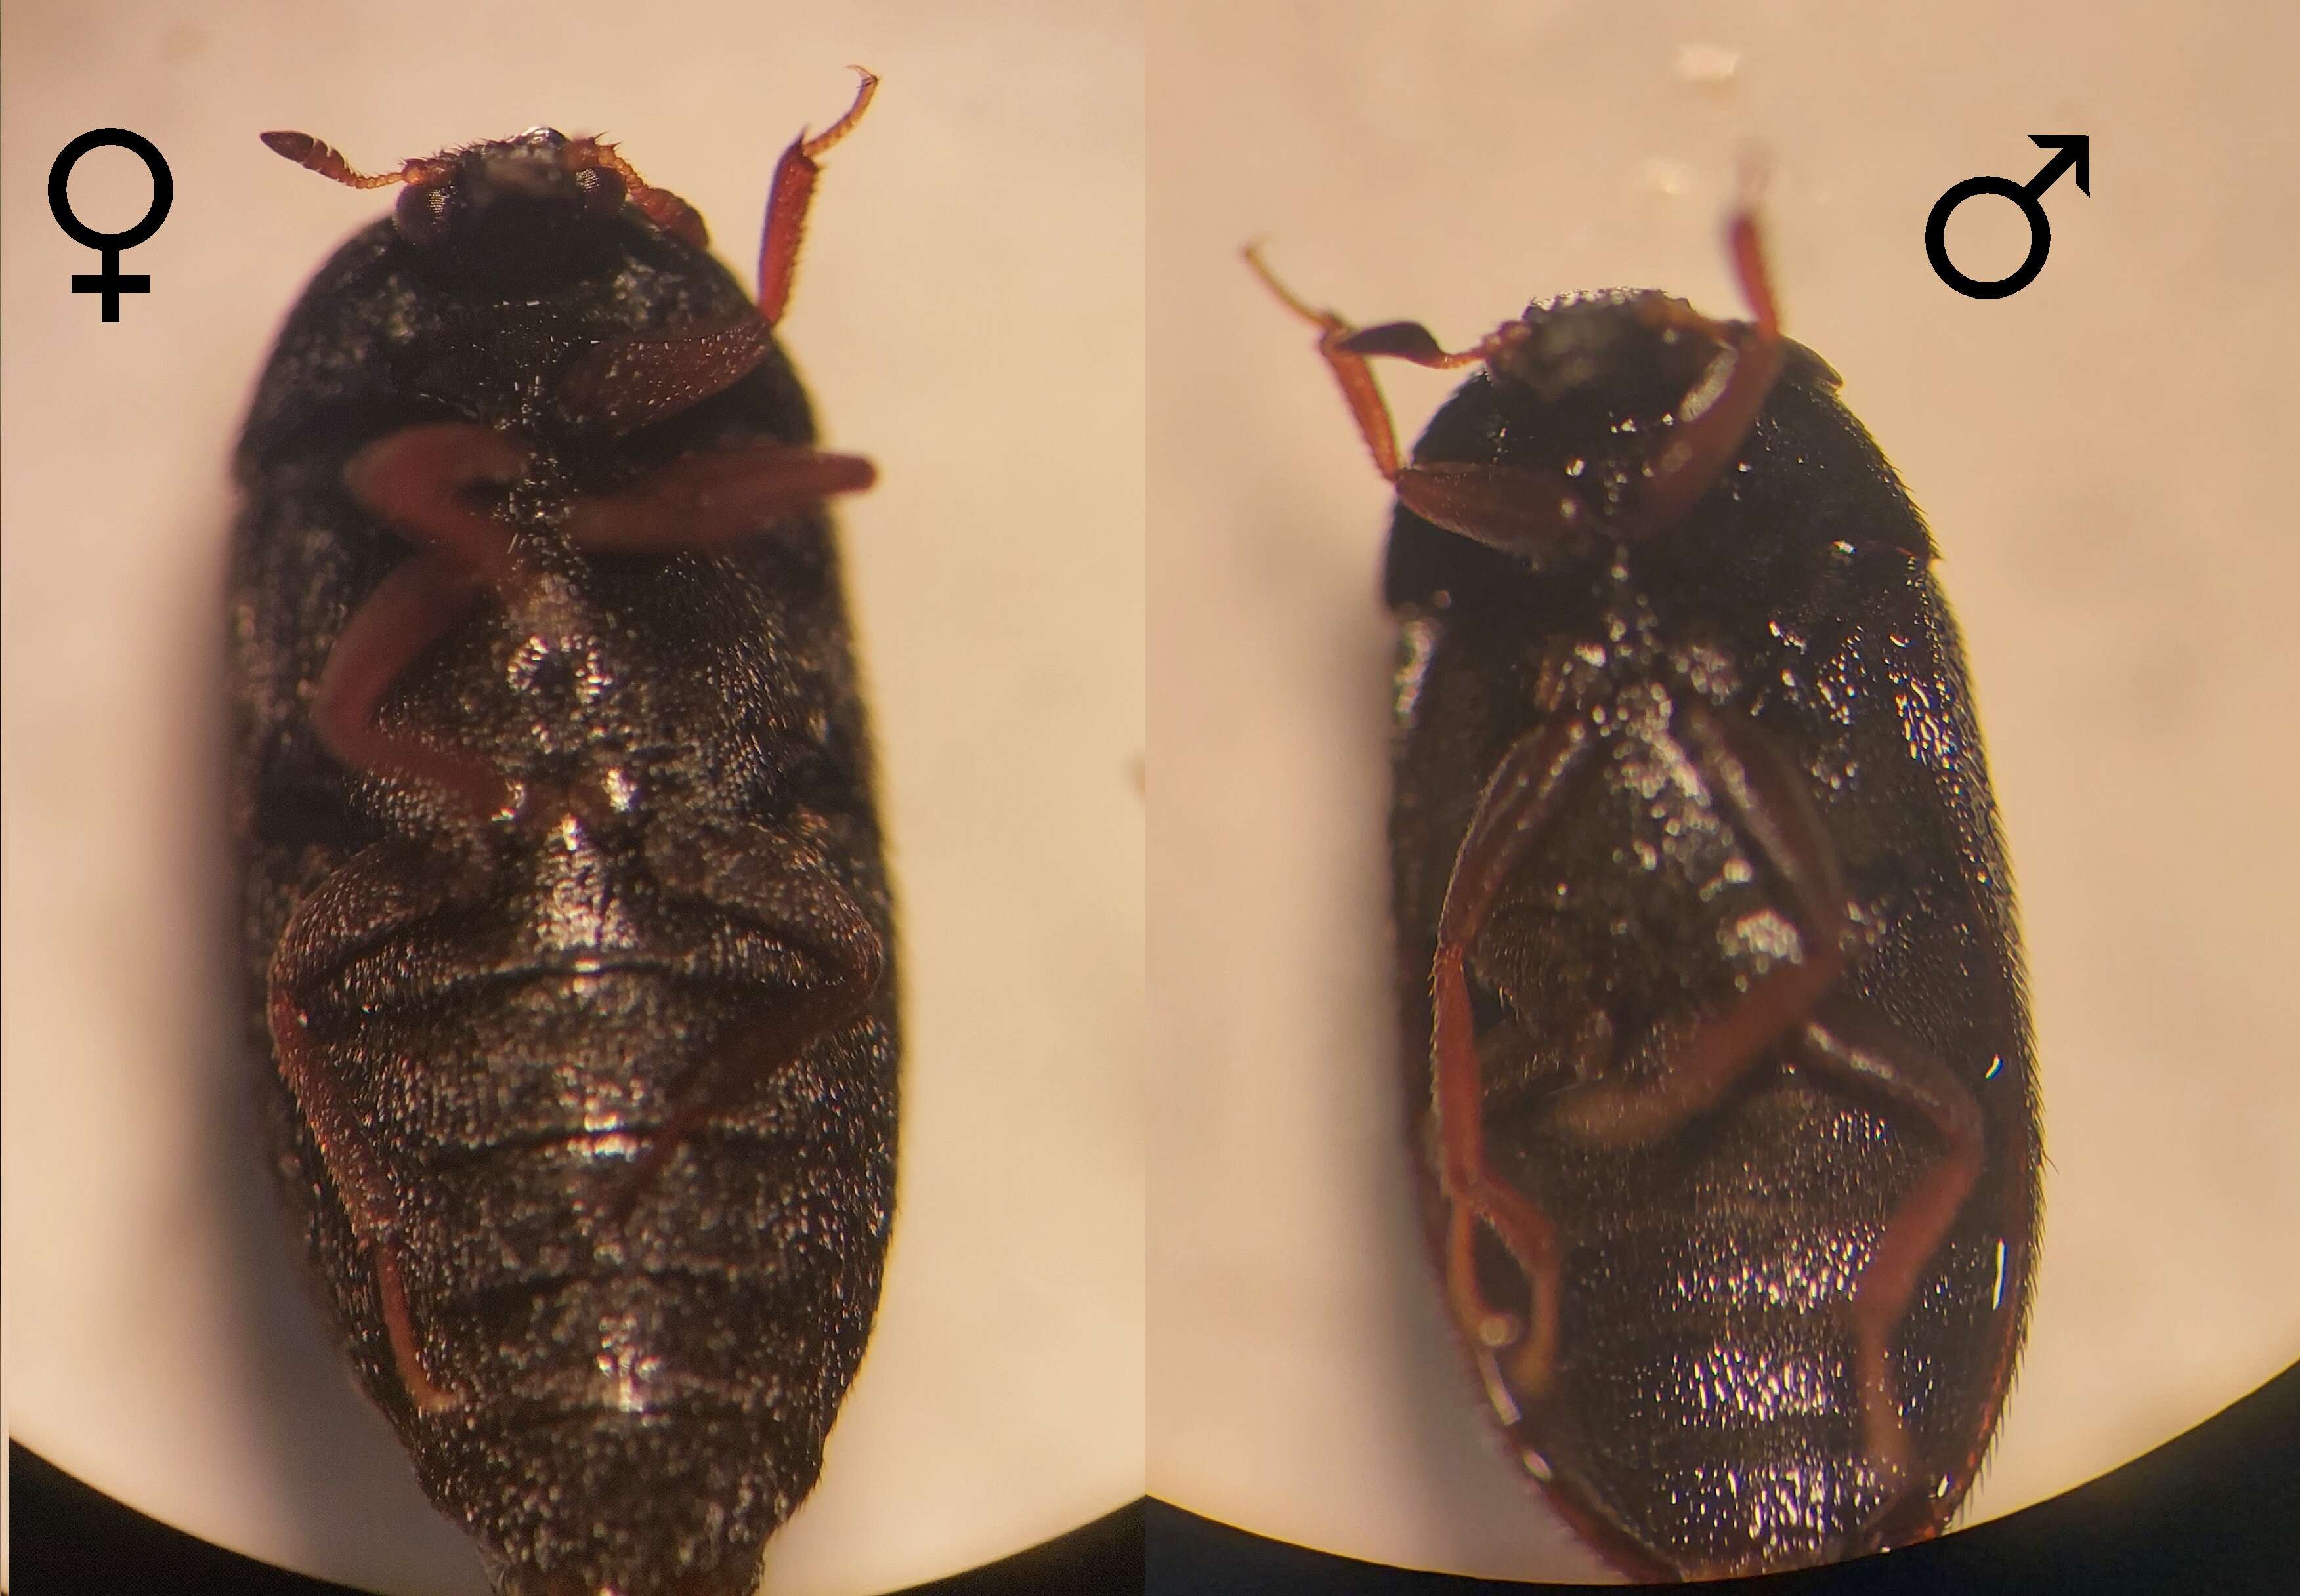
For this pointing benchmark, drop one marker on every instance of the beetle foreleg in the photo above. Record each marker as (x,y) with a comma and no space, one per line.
(788,198)
(1716,416)
(1535,515)
(1519,801)
(1531,514)
(1356,378)
(624,384)
(1909,1078)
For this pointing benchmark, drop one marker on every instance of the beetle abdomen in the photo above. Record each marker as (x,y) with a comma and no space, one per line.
(709,1333)
(1706,1400)
(664,1503)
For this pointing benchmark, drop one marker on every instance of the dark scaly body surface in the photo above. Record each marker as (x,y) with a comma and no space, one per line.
(510,1009)
(1703,1417)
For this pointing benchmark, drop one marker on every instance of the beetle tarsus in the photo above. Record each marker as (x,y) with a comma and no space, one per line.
(788,200)
(1359,391)
(399,1329)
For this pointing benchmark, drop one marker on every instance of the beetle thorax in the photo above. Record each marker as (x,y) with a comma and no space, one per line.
(1620,647)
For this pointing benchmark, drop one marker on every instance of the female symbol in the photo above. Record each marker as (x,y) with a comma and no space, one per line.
(110,282)
(2075,150)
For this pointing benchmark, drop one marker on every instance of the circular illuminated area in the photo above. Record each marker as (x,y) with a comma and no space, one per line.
(2113,520)
(161,1344)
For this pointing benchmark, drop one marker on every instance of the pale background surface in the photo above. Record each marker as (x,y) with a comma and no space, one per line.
(2106,459)
(969,312)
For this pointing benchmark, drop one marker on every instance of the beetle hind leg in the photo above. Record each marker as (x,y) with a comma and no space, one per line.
(1517,805)
(369,893)
(781,880)
(415,481)
(1864,1055)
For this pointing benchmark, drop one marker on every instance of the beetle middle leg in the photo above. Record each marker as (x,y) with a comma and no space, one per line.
(414,480)
(1762,794)
(705,500)
(1517,805)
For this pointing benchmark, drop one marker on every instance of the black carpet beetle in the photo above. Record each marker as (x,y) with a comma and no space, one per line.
(566,922)
(1718,1056)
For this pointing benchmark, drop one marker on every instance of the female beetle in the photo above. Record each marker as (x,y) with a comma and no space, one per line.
(566,920)
(1712,993)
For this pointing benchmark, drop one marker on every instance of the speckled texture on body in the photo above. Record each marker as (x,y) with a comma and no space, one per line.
(1704,1416)
(509,1010)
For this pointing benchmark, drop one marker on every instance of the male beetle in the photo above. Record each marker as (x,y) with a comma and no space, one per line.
(1711,992)
(565,916)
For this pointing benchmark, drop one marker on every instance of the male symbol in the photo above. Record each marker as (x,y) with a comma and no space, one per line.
(2075,150)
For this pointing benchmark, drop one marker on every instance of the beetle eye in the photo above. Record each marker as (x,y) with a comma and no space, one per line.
(425,212)
(602,190)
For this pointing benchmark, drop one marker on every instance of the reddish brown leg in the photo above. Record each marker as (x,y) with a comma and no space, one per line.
(622,384)
(788,200)
(1911,1080)
(1534,514)
(1539,515)
(1359,391)
(399,1329)
(1749,780)
(1517,804)
(1717,415)
(415,481)
(368,893)
(706,500)
(779,878)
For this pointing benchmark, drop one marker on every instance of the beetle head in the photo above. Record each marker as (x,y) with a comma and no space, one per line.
(513,188)
(513,214)
(1630,353)
(1635,402)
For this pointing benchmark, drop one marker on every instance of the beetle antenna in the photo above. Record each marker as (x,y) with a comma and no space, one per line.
(311,153)
(660,206)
